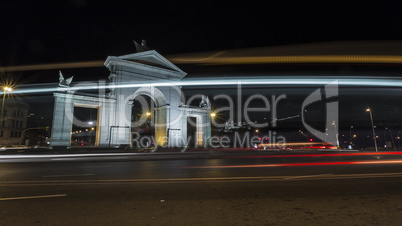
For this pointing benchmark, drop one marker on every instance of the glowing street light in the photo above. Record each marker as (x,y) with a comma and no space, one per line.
(8,89)
(372,125)
(213,114)
(148,113)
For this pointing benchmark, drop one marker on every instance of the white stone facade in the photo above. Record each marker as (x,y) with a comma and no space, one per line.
(114,108)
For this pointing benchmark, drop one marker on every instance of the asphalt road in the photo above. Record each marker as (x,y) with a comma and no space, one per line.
(239,189)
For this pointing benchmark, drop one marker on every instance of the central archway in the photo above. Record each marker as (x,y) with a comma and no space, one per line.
(143,122)
(160,111)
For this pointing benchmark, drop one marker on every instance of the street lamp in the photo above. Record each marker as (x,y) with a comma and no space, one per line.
(372,126)
(350,133)
(148,113)
(336,131)
(213,114)
(6,89)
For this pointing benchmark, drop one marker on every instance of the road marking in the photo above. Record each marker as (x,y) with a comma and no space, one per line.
(70,175)
(33,197)
(306,176)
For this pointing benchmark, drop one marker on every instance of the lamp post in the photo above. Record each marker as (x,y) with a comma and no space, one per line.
(372,126)
(337,135)
(6,89)
(350,132)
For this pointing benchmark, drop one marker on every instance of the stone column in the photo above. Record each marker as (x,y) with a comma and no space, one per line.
(161,115)
(175,126)
(105,116)
(119,123)
(62,120)
(206,129)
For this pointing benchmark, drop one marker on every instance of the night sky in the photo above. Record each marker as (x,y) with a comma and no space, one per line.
(41,32)
(80,30)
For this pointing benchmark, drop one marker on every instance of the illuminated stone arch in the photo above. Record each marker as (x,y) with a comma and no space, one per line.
(153,92)
(132,75)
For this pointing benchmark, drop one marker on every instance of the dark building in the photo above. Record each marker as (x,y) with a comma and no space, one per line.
(13,122)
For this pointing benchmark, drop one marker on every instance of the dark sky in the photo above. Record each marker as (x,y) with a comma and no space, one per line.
(40,32)
(80,30)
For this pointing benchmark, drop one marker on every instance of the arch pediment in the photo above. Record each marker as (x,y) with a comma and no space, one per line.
(150,61)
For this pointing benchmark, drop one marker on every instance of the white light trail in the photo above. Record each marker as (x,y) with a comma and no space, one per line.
(273,81)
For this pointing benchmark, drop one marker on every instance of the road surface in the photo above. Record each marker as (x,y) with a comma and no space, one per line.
(239,189)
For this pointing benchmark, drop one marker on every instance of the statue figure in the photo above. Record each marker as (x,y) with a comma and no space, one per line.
(141,47)
(64,82)
(205,102)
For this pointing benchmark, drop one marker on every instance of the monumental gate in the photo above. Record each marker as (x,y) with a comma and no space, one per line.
(130,76)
